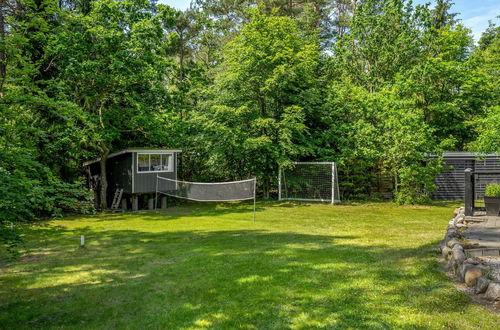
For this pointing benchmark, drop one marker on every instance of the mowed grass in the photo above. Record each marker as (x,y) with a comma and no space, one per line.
(299,266)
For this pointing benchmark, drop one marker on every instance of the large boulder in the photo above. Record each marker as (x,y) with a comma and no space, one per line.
(472,275)
(482,284)
(442,245)
(452,242)
(455,266)
(493,291)
(464,267)
(446,251)
(472,261)
(450,233)
(458,211)
(458,253)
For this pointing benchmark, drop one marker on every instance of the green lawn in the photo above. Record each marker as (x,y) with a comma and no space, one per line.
(209,266)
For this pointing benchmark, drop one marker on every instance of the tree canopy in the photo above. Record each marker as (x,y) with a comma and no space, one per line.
(243,87)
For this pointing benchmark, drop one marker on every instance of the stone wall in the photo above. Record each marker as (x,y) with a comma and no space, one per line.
(465,264)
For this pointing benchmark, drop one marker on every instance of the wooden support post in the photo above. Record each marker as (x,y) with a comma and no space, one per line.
(124,204)
(469,192)
(151,203)
(164,202)
(135,203)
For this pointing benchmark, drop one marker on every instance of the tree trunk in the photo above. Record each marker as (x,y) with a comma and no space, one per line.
(104,180)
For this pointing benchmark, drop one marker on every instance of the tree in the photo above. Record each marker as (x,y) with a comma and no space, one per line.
(343,10)
(443,86)
(441,15)
(384,39)
(41,135)
(260,98)
(487,64)
(113,68)
(488,128)
(314,17)
(400,87)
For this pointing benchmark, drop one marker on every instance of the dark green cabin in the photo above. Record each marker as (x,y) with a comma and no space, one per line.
(134,170)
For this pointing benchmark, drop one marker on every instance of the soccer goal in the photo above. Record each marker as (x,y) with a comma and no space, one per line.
(208,191)
(309,181)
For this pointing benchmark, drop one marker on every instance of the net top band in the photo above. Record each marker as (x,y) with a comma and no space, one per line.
(207,183)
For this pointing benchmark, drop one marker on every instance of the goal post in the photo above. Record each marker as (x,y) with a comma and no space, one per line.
(309,181)
(208,191)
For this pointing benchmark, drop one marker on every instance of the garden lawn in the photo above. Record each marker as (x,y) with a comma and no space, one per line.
(209,266)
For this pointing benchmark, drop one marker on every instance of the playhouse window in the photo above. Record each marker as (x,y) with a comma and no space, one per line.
(155,162)
(143,162)
(166,162)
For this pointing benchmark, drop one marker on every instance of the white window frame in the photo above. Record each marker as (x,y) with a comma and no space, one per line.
(170,162)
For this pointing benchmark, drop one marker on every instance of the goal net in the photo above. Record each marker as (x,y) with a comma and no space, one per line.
(309,181)
(207,191)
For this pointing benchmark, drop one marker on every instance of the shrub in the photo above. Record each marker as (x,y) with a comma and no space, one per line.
(417,182)
(492,190)
(30,191)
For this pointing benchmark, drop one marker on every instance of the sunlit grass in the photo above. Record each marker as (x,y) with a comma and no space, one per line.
(210,266)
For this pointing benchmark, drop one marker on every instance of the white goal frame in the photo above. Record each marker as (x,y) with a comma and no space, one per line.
(335,193)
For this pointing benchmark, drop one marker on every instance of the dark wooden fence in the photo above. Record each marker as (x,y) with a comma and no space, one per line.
(475,184)
(451,182)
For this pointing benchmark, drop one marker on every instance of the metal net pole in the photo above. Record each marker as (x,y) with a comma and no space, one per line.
(254,193)
(279,184)
(333,183)
(156,194)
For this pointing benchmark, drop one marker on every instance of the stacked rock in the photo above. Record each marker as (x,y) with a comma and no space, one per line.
(468,270)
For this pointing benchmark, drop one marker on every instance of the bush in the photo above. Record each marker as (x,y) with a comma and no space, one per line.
(492,190)
(31,191)
(9,241)
(417,182)
(70,198)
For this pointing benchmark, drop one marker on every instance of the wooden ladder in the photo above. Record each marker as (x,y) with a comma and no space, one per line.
(116,199)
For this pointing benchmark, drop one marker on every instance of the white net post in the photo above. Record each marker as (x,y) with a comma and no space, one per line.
(156,193)
(333,183)
(279,183)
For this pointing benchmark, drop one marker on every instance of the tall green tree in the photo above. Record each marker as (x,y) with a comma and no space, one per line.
(442,15)
(261,98)
(487,66)
(396,73)
(113,66)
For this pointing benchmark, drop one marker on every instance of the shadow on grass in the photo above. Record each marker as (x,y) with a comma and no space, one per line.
(220,279)
(188,208)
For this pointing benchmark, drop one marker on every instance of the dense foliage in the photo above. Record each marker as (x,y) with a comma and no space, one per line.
(243,87)
(492,190)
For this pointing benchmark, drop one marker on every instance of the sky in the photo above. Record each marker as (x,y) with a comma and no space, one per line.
(473,13)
